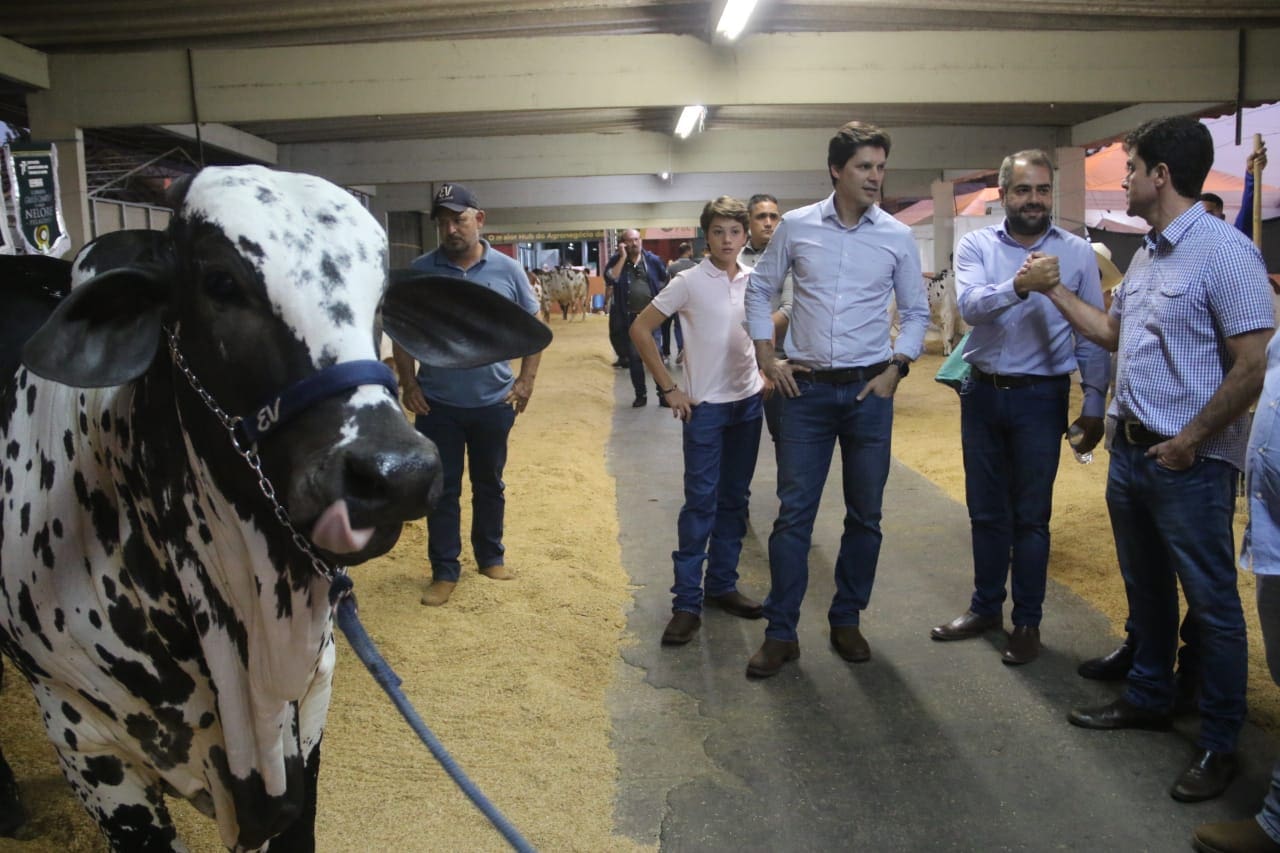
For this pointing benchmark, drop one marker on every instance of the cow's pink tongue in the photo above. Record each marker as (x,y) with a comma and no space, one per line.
(333,532)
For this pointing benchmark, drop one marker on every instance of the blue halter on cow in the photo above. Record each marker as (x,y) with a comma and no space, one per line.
(162,596)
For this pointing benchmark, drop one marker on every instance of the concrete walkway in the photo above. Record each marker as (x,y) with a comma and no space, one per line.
(928,747)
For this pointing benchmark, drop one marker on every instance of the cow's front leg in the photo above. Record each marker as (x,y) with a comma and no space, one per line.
(300,837)
(130,811)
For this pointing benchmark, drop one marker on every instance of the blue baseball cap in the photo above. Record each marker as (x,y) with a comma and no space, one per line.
(456,197)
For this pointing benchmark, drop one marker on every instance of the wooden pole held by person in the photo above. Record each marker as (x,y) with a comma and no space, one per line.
(1257,191)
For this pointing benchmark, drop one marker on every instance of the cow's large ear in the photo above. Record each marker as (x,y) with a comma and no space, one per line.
(105,332)
(451,322)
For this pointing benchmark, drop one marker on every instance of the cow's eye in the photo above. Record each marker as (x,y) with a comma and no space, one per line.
(220,284)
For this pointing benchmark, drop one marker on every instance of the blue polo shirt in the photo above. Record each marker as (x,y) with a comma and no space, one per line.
(474,387)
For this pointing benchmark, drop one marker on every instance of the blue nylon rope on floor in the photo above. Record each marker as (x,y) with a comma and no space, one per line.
(382,673)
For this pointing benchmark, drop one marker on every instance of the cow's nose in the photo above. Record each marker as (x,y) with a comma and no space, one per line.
(389,486)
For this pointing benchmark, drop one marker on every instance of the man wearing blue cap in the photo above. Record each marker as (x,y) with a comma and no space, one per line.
(467,412)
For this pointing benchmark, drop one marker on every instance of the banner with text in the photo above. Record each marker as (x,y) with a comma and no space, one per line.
(33,187)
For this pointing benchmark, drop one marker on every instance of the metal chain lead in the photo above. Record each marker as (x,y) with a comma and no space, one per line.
(250,456)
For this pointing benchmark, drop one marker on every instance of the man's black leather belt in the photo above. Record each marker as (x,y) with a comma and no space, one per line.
(1007,382)
(845,375)
(1139,436)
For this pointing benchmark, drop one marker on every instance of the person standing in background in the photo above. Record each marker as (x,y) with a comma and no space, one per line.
(467,412)
(632,277)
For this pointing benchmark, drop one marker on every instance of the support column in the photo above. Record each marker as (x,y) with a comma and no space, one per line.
(944,218)
(1069,190)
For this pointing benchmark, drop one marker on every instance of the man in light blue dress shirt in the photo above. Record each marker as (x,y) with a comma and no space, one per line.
(1190,323)
(1013,408)
(847,256)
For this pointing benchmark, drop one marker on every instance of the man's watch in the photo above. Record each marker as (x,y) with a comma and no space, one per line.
(904,366)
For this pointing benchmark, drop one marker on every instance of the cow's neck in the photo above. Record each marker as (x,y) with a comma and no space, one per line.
(266,639)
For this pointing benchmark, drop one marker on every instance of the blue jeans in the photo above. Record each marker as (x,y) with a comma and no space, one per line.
(1174,527)
(1269,617)
(667,325)
(721,442)
(1012,440)
(480,434)
(811,425)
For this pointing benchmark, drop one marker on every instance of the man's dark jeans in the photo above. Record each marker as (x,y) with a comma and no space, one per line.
(481,435)
(1012,441)
(812,423)
(1171,528)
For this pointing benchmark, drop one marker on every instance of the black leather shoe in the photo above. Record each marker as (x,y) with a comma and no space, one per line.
(772,655)
(1119,714)
(1233,836)
(639,401)
(849,643)
(1208,776)
(967,626)
(735,603)
(1024,645)
(1113,666)
(681,628)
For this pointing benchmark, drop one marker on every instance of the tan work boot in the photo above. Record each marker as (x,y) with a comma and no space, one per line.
(438,593)
(497,573)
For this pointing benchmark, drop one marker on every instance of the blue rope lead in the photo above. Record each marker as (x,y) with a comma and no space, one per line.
(382,673)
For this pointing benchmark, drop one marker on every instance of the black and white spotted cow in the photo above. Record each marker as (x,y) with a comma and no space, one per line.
(178,639)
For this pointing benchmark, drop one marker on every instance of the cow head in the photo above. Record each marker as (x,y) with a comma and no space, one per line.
(267,279)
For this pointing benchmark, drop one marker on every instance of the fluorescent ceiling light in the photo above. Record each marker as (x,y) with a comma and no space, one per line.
(690,118)
(664,176)
(734,18)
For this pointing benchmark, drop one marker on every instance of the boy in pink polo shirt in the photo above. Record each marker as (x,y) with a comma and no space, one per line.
(722,412)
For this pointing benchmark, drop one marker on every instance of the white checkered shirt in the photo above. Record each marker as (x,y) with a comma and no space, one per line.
(1187,290)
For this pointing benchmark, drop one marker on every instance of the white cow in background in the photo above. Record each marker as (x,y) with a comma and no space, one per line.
(944,310)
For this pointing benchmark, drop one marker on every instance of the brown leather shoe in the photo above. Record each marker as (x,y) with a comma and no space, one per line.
(966,626)
(772,655)
(681,628)
(848,641)
(735,603)
(1024,645)
(438,593)
(498,573)
(1233,836)
(1208,776)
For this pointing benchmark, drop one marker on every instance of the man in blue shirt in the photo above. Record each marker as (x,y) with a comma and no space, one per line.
(1260,555)
(1114,665)
(1190,323)
(1244,217)
(846,256)
(632,277)
(765,216)
(467,412)
(1013,408)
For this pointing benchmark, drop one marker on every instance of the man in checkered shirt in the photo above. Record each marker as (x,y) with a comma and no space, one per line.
(1190,323)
